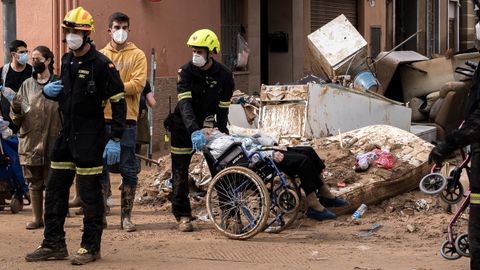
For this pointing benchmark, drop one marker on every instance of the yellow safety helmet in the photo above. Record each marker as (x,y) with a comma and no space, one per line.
(205,38)
(79,19)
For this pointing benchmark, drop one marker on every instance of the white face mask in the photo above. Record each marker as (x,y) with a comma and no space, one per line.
(120,36)
(198,60)
(74,41)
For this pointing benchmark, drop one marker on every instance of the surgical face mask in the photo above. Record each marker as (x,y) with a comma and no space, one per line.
(74,41)
(23,58)
(120,36)
(198,60)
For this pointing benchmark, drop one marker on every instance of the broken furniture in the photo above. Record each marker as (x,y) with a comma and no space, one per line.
(318,110)
(448,111)
(337,48)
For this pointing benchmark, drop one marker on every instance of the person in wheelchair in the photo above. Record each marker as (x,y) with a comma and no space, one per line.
(300,161)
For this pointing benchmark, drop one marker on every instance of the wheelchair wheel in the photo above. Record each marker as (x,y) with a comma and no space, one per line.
(238,203)
(16,205)
(462,246)
(449,251)
(433,183)
(283,211)
(452,194)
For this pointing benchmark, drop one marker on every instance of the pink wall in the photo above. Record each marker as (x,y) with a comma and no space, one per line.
(34,23)
(164,25)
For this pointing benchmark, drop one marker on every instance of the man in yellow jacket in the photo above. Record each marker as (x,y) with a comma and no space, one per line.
(132,65)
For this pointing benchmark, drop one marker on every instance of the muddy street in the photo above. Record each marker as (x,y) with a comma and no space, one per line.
(306,245)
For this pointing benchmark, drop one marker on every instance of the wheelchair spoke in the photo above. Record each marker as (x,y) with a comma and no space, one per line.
(251,220)
(237,202)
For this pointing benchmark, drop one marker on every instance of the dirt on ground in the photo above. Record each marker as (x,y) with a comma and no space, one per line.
(409,237)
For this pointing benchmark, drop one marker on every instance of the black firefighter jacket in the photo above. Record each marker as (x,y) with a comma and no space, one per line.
(89,81)
(203,93)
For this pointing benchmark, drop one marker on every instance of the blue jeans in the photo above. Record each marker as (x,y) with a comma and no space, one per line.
(128,162)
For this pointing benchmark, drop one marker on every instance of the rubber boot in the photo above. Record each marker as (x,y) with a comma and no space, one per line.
(474,236)
(36,197)
(128,196)
(76,201)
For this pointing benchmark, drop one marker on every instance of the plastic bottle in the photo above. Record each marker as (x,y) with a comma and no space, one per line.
(9,94)
(359,212)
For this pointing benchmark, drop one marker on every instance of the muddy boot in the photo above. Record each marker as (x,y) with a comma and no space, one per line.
(47,253)
(128,196)
(76,201)
(83,256)
(36,197)
(185,224)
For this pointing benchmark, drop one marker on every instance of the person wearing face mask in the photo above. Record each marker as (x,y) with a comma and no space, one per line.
(12,75)
(39,127)
(88,80)
(132,66)
(204,88)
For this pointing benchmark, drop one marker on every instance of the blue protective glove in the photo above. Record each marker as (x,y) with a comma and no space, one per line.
(53,89)
(112,152)
(198,140)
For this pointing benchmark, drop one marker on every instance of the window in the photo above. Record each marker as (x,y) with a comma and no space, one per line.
(232,23)
(453,24)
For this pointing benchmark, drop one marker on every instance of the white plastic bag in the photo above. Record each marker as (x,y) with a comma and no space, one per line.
(242,52)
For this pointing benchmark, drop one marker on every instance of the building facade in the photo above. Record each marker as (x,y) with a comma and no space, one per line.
(276,32)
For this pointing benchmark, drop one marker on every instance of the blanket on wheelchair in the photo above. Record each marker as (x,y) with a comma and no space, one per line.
(10,168)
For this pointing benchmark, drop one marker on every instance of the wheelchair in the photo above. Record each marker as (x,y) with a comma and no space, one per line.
(248,194)
(12,194)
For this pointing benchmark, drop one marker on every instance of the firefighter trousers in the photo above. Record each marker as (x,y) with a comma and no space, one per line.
(181,153)
(89,174)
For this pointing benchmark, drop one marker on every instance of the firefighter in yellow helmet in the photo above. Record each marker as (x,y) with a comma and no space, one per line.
(204,89)
(88,80)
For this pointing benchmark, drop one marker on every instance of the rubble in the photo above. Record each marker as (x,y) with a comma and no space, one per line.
(369,187)
(376,184)
(411,228)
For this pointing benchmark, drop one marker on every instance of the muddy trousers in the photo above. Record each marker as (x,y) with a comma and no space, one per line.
(474,219)
(56,205)
(36,176)
(304,163)
(180,201)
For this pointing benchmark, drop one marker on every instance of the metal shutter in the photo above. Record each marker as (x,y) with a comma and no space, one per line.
(323,11)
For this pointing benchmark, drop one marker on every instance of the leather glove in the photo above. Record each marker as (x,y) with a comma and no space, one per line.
(53,89)
(439,153)
(198,140)
(17,104)
(112,152)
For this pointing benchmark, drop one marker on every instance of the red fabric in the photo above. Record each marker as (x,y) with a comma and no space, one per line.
(385,160)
